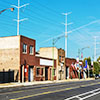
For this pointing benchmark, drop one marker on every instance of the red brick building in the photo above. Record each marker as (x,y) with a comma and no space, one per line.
(17,55)
(43,69)
(27,58)
(71,71)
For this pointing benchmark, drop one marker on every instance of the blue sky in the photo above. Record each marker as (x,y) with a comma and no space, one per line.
(45,22)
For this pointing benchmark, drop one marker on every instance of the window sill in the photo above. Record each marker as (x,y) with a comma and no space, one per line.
(31,54)
(24,52)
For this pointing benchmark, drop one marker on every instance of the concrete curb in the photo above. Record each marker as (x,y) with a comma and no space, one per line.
(41,82)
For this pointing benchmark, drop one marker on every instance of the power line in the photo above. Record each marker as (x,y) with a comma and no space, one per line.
(73,30)
(47,8)
(41,19)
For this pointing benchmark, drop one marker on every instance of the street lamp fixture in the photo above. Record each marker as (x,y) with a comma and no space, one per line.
(12,9)
(81,50)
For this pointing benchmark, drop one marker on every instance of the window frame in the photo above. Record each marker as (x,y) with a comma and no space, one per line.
(37,73)
(24,48)
(31,50)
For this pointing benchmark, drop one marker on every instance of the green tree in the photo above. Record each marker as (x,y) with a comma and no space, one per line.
(84,61)
(96,66)
(98,59)
(88,60)
(90,70)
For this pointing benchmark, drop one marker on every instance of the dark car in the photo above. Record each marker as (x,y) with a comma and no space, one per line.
(97,76)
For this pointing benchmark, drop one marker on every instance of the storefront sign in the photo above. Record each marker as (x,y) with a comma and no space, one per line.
(46,62)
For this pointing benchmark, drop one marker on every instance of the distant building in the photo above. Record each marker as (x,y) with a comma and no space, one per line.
(59,56)
(43,69)
(73,68)
(70,73)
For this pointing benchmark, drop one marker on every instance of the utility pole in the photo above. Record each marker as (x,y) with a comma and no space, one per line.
(79,53)
(18,14)
(66,32)
(95,48)
(53,43)
(18,18)
(66,35)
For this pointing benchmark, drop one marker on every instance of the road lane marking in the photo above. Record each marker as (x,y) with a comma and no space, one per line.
(21,91)
(13,92)
(91,93)
(44,93)
(38,94)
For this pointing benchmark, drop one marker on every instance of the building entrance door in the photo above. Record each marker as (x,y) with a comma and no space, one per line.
(46,73)
(30,74)
(67,73)
(22,73)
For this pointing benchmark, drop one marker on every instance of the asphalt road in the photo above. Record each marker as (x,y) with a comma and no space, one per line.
(83,90)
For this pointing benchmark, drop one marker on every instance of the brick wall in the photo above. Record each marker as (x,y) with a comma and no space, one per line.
(27,58)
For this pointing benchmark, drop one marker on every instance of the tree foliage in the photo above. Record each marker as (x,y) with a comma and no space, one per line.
(84,61)
(96,66)
(98,59)
(88,60)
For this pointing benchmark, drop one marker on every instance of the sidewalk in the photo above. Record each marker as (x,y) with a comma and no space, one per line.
(41,82)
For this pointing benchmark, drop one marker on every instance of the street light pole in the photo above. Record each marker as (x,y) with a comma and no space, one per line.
(53,43)
(80,52)
(95,48)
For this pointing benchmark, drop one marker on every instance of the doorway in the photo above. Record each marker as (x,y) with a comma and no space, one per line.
(30,74)
(22,73)
(46,73)
(67,72)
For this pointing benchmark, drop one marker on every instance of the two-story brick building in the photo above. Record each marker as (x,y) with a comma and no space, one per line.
(17,53)
(19,63)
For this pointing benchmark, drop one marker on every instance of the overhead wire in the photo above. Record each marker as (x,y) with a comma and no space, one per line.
(47,8)
(40,18)
(32,17)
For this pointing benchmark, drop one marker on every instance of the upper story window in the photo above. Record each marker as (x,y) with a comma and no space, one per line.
(24,48)
(31,50)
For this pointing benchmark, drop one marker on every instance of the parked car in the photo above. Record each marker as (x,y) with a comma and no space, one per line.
(97,76)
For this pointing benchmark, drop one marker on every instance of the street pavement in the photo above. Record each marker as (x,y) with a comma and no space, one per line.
(81,90)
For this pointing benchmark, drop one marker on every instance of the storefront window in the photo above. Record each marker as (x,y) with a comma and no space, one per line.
(42,71)
(38,71)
